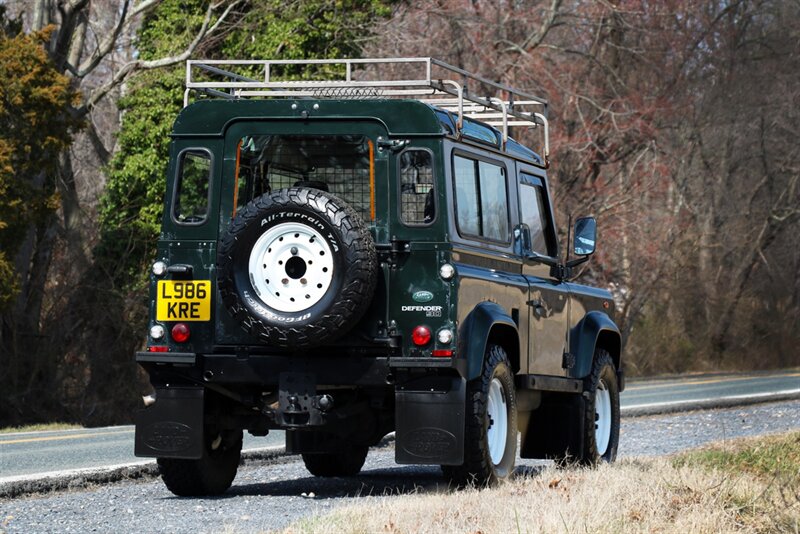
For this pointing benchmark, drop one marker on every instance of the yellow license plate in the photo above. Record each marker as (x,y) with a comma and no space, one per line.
(183,300)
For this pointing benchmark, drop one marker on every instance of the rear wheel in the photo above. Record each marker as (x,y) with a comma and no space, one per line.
(336,464)
(490,445)
(212,474)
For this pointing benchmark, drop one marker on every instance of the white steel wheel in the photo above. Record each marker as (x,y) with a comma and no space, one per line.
(602,417)
(291,267)
(497,424)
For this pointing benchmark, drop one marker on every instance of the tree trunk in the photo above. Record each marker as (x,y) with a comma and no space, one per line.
(77,245)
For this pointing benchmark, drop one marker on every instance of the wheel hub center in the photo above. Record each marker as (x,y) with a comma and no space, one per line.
(295,267)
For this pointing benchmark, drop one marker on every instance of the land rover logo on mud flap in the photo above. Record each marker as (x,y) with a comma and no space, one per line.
(168,436)
(429,442)
(422,296)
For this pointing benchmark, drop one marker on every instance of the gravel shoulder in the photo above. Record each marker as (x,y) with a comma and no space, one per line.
(268,494)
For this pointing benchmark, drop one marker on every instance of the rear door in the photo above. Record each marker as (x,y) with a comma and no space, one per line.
(339,156)
(418,296)
(548,298)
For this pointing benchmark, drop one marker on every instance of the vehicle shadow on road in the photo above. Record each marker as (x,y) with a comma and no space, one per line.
(403,480)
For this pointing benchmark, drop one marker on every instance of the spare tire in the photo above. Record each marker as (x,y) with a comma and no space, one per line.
(297,267)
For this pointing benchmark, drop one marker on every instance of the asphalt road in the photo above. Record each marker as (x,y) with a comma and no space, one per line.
(268,496)
(707,390)
(40,454)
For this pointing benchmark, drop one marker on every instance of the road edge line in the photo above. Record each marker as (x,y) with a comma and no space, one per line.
(641,410)
(72,479)
(16,486)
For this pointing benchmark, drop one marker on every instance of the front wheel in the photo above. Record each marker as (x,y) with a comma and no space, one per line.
(490,447)
(601,426)
(336,464)
(212,474)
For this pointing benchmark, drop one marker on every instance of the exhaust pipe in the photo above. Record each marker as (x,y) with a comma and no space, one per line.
(149,400)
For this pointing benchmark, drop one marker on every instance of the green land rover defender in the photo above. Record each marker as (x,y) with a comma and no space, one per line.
(345,258)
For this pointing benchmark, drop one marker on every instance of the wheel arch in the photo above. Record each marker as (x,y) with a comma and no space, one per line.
(595,330)
(488,323)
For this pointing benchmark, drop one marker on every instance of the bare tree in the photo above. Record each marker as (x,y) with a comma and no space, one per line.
(91,42)
(672,123)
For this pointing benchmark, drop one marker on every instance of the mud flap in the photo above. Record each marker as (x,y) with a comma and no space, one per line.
(556,428)
(173,426)
(429,421)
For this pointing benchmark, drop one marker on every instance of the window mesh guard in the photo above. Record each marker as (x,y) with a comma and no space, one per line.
(337,164)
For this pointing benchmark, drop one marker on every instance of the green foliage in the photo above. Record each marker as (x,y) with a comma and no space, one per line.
(132,206)
(766,457)
(133,200)
(34,127)
(275,29)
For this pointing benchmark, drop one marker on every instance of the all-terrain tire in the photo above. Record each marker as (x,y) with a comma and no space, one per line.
(336,464)
(297,267)
(602,415)
(481,444)
(212,474)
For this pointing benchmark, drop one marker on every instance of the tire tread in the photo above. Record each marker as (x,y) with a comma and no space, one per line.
(360,258)
(477,467)
(336,464)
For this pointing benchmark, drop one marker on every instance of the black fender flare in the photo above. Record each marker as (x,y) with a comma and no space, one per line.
(487,319)
(596,328)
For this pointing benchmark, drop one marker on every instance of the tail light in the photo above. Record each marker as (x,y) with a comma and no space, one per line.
(181,333)
(421,336)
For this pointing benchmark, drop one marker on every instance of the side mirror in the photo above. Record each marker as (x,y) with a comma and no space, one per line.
(522,239)
(585,236)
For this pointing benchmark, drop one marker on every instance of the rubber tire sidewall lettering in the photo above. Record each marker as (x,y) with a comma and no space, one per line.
(241,274)
(354,268)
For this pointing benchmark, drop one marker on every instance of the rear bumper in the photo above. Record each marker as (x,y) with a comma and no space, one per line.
(423,399)
(264,370)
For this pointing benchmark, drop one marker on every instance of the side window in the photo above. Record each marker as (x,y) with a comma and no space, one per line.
(417,203)
(534,213)
(481,199)
(466,180)
(494,201)
(191,192)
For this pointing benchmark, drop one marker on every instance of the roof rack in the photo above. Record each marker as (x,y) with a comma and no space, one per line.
(437,83)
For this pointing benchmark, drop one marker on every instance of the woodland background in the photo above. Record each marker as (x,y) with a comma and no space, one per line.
(675,123)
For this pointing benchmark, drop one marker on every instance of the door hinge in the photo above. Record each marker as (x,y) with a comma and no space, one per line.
(389,253)
(395,145)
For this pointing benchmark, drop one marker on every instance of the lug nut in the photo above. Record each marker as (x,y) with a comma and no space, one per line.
(325,403)
(303,281)
(285,281)
(294,251)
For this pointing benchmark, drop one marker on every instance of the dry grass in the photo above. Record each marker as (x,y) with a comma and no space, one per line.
(685,494)
(38,427)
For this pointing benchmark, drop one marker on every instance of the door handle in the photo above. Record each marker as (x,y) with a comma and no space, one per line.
(538,308)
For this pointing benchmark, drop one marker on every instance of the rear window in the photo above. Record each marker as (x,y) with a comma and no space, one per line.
(340,164)
(191,193)
(417,200)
